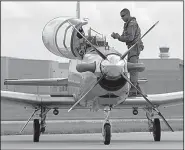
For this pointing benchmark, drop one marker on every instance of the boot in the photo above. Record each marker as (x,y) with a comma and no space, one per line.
(138,94)
(132,92)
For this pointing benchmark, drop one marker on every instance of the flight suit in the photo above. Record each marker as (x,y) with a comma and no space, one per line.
(130,35)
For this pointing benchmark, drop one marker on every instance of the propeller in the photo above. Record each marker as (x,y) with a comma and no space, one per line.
(110,68)
(99,53)
(83,95)
(152,105)
(125,54)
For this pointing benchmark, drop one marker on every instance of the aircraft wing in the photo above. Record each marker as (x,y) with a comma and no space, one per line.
(32,100)
(37,82)
(159,100)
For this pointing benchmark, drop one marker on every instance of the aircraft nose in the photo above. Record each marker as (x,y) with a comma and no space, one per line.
(112,70)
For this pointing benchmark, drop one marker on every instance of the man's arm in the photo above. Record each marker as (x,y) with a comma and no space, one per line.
(128,36)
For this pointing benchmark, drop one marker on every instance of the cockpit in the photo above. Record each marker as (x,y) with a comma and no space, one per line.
(68,38)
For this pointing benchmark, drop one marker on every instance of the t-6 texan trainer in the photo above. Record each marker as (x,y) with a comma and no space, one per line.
(100,80)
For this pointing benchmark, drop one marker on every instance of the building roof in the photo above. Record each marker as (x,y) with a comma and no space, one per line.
(162,64)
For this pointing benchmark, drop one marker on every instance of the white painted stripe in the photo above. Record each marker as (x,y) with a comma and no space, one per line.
(88,121)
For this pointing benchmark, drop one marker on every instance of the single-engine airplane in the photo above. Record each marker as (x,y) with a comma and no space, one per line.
(102,80)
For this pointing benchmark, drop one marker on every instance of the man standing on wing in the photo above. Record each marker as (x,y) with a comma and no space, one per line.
(130,36)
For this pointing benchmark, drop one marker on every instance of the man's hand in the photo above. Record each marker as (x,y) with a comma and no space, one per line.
(115,35)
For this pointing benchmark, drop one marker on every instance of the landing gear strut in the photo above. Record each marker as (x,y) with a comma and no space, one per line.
(106,130)
(38,127)
(43,118)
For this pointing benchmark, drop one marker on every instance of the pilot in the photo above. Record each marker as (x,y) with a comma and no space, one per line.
(131,34)
(82,32)
(82,44)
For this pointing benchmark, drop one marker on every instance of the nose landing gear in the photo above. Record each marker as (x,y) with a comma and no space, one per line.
(153,124)
(106,130)
(107,133)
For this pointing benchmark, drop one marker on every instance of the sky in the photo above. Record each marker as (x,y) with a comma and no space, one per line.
(22,24)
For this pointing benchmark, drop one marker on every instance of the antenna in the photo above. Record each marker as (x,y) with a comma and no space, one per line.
(78,9)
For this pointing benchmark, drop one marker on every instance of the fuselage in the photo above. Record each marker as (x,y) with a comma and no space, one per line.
(113,85)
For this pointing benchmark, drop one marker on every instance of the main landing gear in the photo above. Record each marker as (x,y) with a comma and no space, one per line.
(156,129)
(38,128)
(154,125)
(106,129)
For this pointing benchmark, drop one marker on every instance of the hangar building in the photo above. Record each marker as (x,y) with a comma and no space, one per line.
(163,74)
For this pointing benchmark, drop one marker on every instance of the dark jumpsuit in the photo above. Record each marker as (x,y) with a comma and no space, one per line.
(130,35)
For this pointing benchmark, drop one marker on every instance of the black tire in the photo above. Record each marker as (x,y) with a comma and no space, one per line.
(36,130)
(107,134)
(157,130)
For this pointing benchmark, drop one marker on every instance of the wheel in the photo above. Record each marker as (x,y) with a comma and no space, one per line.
(36,130)
(107,134)
(157,129)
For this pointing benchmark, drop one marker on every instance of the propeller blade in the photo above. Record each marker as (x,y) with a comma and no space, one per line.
(87,92)
(99,53)
(125,54)
(152,105)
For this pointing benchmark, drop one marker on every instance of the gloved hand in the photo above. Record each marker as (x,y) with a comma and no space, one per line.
(115,35)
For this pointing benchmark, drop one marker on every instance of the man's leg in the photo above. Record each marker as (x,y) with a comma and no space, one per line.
(133,75)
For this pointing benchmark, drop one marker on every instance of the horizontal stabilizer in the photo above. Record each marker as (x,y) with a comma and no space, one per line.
(37,82)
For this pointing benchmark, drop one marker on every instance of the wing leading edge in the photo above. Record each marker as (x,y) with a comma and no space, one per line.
(32,100)
(66,101)
(161,100)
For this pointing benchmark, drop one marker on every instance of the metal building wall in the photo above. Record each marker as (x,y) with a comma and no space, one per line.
(163,76)
(13,68)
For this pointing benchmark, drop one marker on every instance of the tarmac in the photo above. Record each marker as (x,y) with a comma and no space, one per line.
(132,140)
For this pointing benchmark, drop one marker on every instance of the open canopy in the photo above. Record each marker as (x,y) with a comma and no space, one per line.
(60,37)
